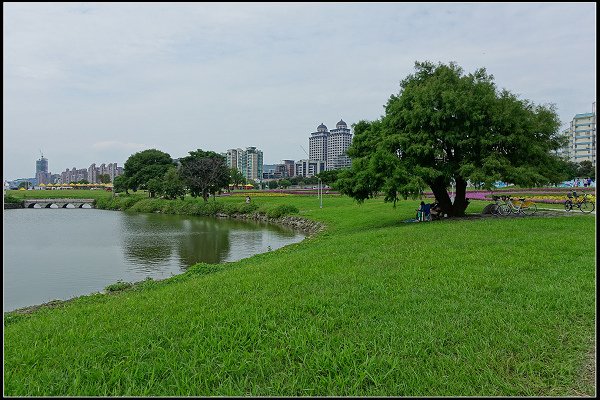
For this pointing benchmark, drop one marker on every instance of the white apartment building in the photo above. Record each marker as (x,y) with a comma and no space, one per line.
(331,146)
(249,162)
(338,142)
(582,138)
(317,143)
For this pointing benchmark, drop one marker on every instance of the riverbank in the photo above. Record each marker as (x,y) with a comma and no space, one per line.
(367,307)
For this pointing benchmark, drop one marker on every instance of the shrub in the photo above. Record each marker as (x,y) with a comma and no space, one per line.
(281,210)
(8,198)
(118,286)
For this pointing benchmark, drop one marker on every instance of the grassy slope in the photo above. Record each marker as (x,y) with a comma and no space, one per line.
(372,306)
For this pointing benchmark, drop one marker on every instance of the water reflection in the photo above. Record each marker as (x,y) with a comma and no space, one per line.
(150,240)
(57,253)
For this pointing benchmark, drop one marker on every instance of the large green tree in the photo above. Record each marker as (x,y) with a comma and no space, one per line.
(204,173)
(446,128)
(145,165)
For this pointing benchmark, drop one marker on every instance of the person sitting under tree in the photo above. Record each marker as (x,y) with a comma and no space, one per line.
(424,212)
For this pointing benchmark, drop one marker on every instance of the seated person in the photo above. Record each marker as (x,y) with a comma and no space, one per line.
(424,212)
(436,210)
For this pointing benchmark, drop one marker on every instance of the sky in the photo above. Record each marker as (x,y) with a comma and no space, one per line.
(97,82)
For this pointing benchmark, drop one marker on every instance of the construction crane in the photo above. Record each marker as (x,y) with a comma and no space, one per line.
(304,151)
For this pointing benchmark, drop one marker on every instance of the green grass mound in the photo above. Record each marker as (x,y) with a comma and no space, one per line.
(369,307)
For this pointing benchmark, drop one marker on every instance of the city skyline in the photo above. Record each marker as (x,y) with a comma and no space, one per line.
(102,81)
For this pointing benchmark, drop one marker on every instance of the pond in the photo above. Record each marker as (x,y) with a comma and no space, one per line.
(58,254)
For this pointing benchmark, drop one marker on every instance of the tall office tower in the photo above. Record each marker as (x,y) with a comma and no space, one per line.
(338,142)
(41,171)
(317,144)
(582,138)
(252,161)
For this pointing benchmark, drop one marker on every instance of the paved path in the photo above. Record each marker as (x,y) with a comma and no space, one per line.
(558,209)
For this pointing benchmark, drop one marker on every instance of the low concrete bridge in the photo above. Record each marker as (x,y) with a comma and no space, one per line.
(61,203)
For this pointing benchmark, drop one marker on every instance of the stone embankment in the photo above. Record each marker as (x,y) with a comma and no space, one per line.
(298,223)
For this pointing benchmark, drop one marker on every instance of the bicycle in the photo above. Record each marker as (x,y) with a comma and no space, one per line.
(496,208)
(581,202)
(522,207)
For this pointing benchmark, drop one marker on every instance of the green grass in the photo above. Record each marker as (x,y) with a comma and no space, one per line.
(369,307)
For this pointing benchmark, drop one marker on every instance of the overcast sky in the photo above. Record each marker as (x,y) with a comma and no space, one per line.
(96,82)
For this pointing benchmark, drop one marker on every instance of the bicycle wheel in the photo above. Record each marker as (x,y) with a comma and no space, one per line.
(587,207)
(568,205)
(528,208)
(494,209)
(504,210)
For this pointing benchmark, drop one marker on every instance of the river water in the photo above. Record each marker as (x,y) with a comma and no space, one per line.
(62,253)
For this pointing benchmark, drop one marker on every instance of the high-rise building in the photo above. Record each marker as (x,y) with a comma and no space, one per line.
(331,146)
(234,159)
(317,143)
(93,174)
(338,142)
(249,162)
(252,162)
(581,136)
(41,171)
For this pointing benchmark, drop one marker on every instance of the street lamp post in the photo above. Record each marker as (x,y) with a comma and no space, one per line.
(320,193)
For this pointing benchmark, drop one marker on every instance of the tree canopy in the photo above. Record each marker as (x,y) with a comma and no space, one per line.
(446,128)
(145,165)
(204,173)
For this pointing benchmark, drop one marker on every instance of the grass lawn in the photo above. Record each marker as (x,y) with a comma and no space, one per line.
(371,306)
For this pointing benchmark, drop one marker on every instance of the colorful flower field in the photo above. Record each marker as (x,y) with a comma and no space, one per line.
(539,195)
(549,196)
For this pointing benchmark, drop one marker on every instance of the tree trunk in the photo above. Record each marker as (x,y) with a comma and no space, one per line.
(440,191)
(460,201)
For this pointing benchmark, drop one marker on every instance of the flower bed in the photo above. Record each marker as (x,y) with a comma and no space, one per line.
(539,195)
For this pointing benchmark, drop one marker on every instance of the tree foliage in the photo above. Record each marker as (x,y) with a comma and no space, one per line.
(172,185)
(145,165)
(204,173)
(104,178)
(236,177)
(586,170)
(120,184)
(444,129)
(329,177)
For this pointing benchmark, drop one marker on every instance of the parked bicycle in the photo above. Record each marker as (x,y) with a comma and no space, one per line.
(519,206)
(581,202)
(496,208)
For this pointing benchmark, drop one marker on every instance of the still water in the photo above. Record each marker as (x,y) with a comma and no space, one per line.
(62,253)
